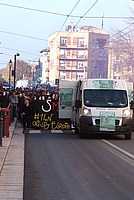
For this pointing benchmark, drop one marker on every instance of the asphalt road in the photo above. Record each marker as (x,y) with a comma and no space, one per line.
(64,167)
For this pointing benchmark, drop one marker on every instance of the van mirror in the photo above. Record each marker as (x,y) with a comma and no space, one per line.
(78,104)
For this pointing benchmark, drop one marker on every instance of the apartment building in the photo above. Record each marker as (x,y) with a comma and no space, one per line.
(76,54)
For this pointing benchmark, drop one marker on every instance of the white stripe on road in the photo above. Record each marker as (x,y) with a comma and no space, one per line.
(52,131)
(35,131)
(119,149)
(56,131)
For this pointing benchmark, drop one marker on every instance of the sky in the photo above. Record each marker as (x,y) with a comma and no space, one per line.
(25,25)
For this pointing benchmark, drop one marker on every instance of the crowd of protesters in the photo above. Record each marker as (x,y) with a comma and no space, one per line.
(19,102)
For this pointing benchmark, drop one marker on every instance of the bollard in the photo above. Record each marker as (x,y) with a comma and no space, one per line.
(1,129)
(4,124)
(6,121)
(11,115)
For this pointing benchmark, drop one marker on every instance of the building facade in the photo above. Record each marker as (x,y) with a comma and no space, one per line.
(75,54)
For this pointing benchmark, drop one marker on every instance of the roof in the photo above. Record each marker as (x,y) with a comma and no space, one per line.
(93,29)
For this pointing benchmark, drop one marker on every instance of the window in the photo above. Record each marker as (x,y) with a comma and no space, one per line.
(101,43)
(63,63)
(80,54)
(80,42)
(63,75)
(63,52)
(80,64)
(105,98)
(80,75)
(63,41)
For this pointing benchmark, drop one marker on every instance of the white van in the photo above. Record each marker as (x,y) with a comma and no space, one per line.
(102,107)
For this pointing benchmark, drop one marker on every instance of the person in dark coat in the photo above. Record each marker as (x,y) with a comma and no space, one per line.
(4,100)
(20,106)
(26,113)
(1,84)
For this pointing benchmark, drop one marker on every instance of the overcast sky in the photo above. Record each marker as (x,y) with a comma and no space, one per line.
(25,25)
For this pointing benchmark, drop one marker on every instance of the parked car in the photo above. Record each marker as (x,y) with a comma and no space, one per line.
(6,84)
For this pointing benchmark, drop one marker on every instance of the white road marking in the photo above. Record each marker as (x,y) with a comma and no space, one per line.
(35,131)
(119,149)
(56,131)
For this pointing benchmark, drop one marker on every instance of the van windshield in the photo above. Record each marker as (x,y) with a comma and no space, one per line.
(105,98)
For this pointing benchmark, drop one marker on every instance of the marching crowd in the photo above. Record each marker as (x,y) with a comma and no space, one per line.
(19,102)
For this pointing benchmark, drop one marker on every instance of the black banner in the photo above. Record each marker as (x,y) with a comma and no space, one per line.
(45,115)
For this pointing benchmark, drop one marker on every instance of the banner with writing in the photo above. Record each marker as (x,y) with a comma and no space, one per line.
(45,116)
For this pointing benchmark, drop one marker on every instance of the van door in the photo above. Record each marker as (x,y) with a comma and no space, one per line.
(66,98)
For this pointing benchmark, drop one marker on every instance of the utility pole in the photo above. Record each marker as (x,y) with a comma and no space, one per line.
(10,65)
(17,54)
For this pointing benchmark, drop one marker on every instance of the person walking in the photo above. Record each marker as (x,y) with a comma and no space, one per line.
(20,106)
(26,113)
(13,98)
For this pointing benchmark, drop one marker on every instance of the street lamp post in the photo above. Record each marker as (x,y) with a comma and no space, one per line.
(17,54)
(10,65)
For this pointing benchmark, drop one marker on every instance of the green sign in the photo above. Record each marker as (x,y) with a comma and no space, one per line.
(103,84)
(107,121)
(66,98)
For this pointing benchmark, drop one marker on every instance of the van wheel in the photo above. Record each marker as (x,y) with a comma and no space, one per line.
(82,135)
(128,136)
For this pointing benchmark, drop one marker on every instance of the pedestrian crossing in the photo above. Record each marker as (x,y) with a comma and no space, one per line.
(56,131)
(34,131)
(48,131)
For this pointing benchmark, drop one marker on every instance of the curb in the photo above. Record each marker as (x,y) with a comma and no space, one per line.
(6,144)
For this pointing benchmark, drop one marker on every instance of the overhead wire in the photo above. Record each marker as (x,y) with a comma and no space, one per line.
(79,20)
(36,37)
(116,34)
(21,35)
(19,51)
(86,12)
(37,10)
(67,18)
(121,31)
(31,9)
(83,16)
(55,13)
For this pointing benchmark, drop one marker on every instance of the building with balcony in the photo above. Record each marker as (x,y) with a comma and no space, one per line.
(44,60)
(76,54)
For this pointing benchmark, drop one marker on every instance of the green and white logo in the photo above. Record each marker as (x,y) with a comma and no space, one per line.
(107,121)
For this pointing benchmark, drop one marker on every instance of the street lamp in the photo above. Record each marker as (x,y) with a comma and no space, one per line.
(10,65)
(17,54)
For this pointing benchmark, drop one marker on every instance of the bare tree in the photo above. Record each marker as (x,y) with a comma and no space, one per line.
(122,47)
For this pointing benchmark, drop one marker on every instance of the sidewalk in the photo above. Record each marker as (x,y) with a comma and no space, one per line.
(12,164)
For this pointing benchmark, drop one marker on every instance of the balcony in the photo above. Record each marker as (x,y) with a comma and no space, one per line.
(63,45)
(72,58)
(73,46)
(70,69)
